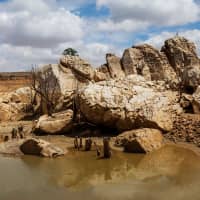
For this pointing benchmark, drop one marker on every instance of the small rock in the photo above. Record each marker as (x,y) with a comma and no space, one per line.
(41,148)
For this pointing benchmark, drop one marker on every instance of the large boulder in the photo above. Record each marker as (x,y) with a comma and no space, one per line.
(141,140)
(58,123)
(150,63)
(82,70)
(180,53)
(182,56)
(191,78)
(72,73)
(129,103)
(40,148)
(17,105)
(196,101)
(113,67)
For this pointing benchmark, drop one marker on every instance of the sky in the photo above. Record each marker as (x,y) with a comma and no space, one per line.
(35,32)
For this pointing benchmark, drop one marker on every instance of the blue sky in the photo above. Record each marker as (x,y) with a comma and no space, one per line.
(36,32)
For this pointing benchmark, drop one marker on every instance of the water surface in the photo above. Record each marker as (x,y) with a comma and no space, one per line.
(169,173)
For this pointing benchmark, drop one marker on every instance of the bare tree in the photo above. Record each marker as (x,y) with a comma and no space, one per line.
(45,85)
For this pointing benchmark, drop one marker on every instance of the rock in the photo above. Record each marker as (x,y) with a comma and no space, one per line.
(104,70)
(150,63)
(196,101)
(141,140)
(72,73)
(99,76)
(183,58)
(114,66)
(180,52)
(58,123)
(40,148)
(17,105)
(191,78)
(129,103)
(81,68)
(186,102)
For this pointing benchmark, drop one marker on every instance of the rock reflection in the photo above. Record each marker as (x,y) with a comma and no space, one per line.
(79,170)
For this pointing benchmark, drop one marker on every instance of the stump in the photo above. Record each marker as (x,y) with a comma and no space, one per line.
(21,135)
(6,138)
(106,148)
(76,142)
(97,150)
(88,144)
(14,133)
(81,143)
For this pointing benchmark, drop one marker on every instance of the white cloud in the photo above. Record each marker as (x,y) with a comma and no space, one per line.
(44,29)
(156,12)
(96,52)
(73,4)
(125,25)
(15,57)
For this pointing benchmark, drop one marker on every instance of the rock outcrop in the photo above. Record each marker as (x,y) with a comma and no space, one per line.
(191,78)
(40,147)
(150,63)
(196,101)
(140,140)
(180,53)
(17,105)
(182,56)
(129,103)
(58,123)
(113,68)
(177,61)
(72,73)
(82,70)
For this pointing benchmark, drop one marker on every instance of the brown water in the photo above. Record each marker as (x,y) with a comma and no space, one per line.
(170,173)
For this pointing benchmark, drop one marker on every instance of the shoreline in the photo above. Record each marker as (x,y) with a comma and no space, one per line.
(67,143)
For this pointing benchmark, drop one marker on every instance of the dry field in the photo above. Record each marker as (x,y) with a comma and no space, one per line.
(11,85)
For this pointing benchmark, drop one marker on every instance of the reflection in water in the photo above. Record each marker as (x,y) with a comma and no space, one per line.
(169,173)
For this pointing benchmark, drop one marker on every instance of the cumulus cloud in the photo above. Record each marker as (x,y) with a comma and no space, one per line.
(156,12)
(24,27)
(126,25)
(15,58)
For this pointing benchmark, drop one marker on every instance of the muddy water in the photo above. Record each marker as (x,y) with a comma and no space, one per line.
(170,173)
